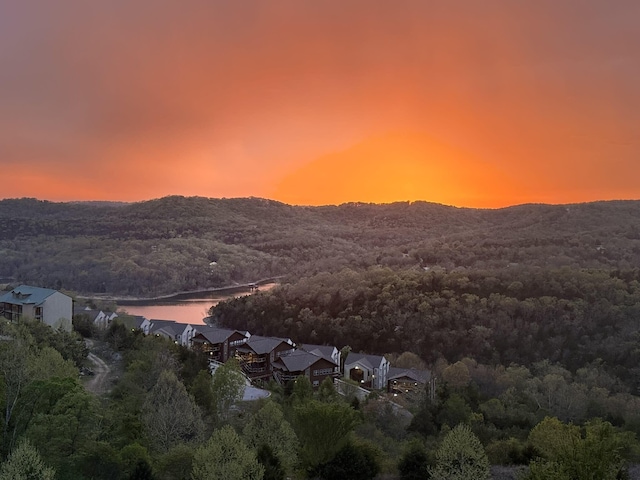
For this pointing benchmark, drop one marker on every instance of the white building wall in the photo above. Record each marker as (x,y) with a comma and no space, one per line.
(378,376)
(187,335)
(57,311)
(335,356)
(145,326)
(382,374)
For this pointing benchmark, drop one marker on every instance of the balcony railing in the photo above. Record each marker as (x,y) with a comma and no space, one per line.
(251,368)
(283,378)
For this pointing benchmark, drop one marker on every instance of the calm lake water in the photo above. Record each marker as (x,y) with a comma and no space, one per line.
(192,310)
(182,312)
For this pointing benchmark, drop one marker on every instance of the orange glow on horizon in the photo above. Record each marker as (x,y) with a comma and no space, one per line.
(472,104)
(399,167)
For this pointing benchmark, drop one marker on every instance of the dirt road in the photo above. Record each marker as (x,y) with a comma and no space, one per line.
(98,383)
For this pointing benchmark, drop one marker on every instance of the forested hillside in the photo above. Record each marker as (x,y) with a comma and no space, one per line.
(515,315)
(177,243)
(527,318)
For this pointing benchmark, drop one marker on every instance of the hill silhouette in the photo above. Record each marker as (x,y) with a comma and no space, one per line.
(409,166)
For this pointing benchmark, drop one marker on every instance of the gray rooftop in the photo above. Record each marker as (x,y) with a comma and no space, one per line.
(170,327)
(300,360)
(89,312)
(215,335)
(420,376)
(324,351)
(371,361)
(132,321)
(27,295)
(262,345)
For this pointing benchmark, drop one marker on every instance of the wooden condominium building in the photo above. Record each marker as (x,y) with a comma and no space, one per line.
(300,362)
(257,355)
(219,344)
(407,381)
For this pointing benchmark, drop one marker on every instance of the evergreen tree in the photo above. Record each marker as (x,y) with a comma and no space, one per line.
(226,457)
(269,427)
(461,457)
(327,391)
(24,463)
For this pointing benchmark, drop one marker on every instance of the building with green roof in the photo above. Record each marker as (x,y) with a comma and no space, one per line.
(42,304)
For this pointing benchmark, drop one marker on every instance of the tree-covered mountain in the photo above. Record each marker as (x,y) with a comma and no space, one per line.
(177,243)
(526,316)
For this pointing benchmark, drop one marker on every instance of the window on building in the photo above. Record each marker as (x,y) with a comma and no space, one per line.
(11,312)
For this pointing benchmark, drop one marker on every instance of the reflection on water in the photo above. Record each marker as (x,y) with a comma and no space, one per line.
(184,311)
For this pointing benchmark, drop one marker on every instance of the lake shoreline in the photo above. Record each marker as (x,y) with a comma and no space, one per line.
(223,292)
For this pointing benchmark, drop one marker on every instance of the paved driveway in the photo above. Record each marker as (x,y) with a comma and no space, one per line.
(254,393)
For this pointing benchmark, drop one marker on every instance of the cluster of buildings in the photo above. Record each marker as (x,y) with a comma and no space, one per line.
(261,358)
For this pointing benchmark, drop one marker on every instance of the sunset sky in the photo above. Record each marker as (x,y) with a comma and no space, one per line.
(464,102)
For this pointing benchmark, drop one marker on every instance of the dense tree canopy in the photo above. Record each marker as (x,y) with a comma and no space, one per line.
(178,244)
(519,314)
(567,453)
(24,463)
(461,456)
(573,317)
(226,457)
(170,415)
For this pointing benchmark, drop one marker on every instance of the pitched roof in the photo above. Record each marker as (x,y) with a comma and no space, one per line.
(181,327)
(324,351)
(133,321)
(215,335)
(420,376)
(262,345)
(371,361)
(90,313)
(299,361)
(27,295)
(170,327)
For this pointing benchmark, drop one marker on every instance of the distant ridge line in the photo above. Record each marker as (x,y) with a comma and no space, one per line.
(118,203)
(176,295)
